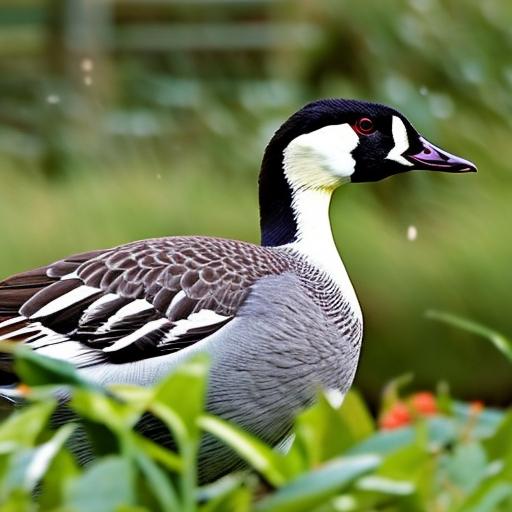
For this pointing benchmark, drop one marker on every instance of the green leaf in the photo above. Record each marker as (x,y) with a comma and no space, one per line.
(391,392)
(484,423)
(444,401)
(158,482)
(30,465)
(220,487)
(356,416)
(61,472)
(226,495)
(237,500)
(18,501)
(100,439)
(466,467)
(499,444)
(256,453)
(100,408)
(324,431)
(137,397)
(106,485)
(178,401)
(37,370)
(129,508)
(491,499)
(384,442)
(23,427)
(493,492)
(317,487)
(403,463)
(183,392)
(413,464)
(320,434)
(166,458)
(388,486)
(441,431)
(503,344)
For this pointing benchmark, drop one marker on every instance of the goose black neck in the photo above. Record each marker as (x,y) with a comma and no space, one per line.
(277,219)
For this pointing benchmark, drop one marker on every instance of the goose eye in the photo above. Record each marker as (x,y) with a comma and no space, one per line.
(364,126)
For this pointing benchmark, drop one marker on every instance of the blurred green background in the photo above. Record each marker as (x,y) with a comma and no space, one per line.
(126,119)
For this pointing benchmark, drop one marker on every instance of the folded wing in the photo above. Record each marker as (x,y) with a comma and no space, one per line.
(136,301)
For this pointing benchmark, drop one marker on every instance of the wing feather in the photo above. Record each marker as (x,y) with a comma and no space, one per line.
(135,301)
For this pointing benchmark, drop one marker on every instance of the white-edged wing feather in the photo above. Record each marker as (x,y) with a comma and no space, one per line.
(136,301)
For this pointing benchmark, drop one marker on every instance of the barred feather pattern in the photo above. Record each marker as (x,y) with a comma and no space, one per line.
(149,298)
(327,294)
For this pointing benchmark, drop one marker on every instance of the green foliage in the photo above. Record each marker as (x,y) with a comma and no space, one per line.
(458,461)
(503,344)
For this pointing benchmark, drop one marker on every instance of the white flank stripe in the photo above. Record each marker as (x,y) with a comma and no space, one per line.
(203,318)
(401,142)
(179,296)
(64,349)
(66,300)
(98,304)
(12,321)
(49,336)
(73,275)
(104,299)
(52,344)
(29,329)
(134,307)
(136,335)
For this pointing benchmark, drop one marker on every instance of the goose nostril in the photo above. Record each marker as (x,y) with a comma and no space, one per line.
(427,151)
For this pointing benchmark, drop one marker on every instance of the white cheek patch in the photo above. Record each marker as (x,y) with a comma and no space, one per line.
(321,159)
(401,140)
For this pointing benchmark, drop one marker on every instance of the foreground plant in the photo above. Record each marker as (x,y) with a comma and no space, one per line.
(338,460)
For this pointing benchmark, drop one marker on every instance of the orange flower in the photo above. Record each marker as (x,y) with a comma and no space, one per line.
(23,389)
(397,416)
(424,403)
(476,407)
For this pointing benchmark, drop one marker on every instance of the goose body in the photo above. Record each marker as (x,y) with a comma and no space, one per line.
(278,319)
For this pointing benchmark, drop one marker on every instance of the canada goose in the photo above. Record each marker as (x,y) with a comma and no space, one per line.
(278,319)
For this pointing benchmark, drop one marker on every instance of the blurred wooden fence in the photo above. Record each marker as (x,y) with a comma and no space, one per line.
(59,48)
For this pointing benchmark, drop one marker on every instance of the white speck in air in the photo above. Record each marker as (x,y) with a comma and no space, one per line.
(88,80)
(87,65)
(412,233)
(441,105)
(53,99)
(424,90)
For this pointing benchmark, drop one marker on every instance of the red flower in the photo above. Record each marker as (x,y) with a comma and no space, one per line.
(424,403)
(23,389)
(476,407)
(396,417)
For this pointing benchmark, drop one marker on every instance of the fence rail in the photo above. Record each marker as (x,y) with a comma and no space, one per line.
(43,47)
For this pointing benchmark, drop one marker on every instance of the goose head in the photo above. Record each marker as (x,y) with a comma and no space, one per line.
(335,141)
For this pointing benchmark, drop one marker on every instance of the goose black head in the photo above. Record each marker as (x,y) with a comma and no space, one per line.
(329,142)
